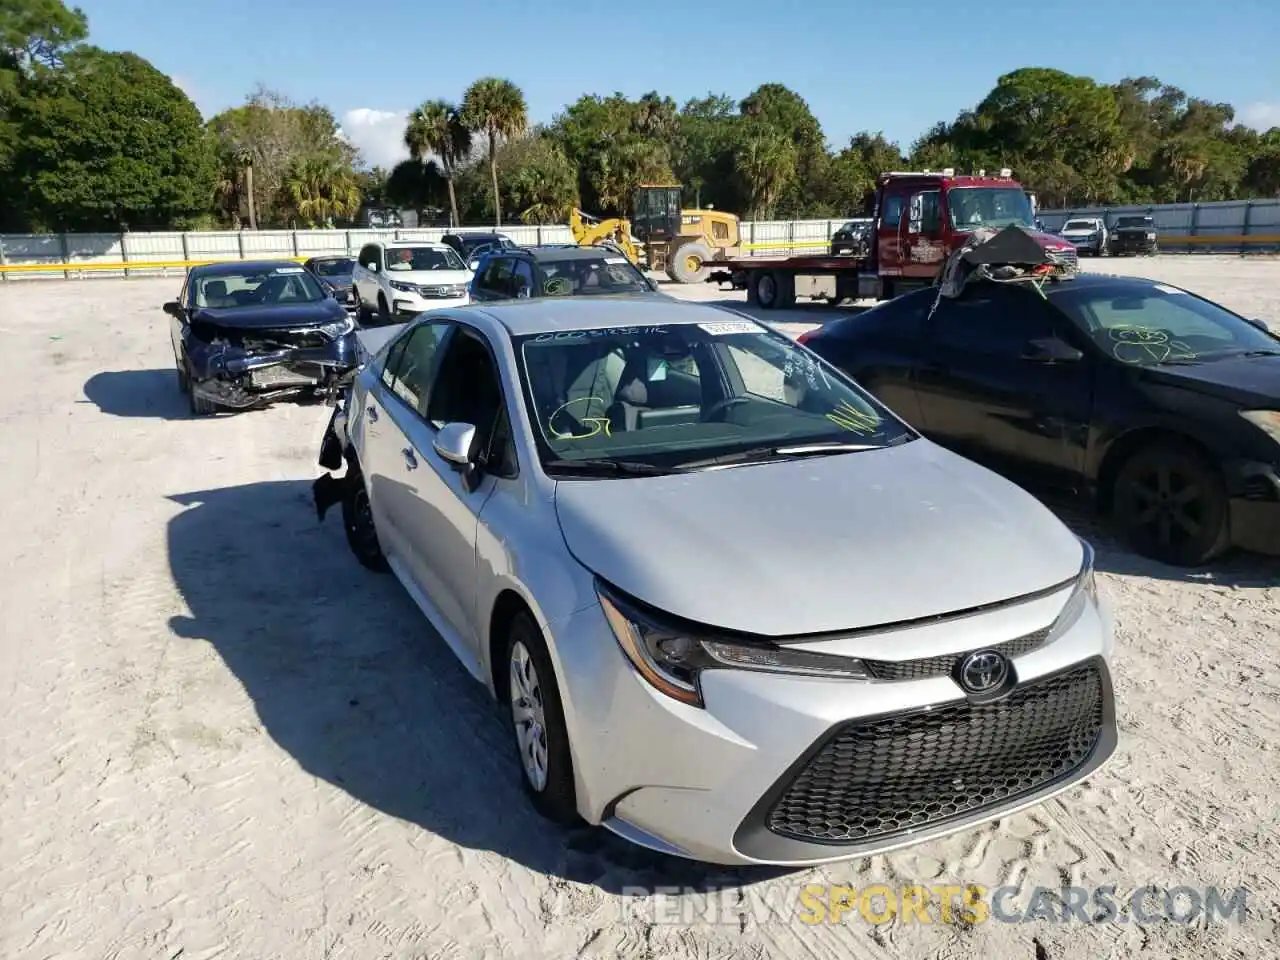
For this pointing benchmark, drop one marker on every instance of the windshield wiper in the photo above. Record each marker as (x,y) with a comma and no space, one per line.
(1259,353)
(604,468)
(775,452)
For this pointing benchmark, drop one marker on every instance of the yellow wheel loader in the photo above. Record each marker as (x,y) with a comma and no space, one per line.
(682,243)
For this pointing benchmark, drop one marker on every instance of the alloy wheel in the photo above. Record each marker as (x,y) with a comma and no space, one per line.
(528,716)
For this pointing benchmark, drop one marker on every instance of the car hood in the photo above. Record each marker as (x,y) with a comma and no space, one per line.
(819,545)
(430,278)
(1244,380)
(338,280)
(1082,232)
(1144,230)
(274,316)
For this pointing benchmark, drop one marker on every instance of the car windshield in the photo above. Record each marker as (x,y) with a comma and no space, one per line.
(472,245)
(423,258)
(1155,324)
(579,276)
(333,268)
(1080,225)
(1135,222)
(973,207)
(255,286)
(671,397)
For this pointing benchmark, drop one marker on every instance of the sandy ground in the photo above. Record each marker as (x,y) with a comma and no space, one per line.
(221,737)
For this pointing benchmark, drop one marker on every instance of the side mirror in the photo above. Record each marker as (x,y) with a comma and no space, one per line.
(454,442)
(174,309)
(651,283)
(1260,324)
(1051,350)
(373,268)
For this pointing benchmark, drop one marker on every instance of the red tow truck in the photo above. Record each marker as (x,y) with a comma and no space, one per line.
(919,219)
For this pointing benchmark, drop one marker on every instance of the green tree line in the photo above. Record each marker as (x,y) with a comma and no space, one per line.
(99,140)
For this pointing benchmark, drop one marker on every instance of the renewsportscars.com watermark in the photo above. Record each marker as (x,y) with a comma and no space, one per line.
(966,905)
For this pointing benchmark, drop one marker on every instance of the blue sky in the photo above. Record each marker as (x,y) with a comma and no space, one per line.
(895,67)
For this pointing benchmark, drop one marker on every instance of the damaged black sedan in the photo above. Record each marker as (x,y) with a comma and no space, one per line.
(247,333)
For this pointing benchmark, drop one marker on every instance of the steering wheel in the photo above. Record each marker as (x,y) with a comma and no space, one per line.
(720,406)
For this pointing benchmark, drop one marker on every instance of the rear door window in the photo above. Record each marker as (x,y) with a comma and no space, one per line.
(411,364)
(995,322)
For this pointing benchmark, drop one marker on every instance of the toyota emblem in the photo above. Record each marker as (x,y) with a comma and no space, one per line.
(983,671)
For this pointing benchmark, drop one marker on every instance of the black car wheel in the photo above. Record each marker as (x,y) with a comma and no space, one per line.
(384,312)
(184,380)
(537,722)
(357,520)
(1171,505)
(363,313)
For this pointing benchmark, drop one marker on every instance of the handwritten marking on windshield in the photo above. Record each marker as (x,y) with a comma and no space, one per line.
(1135,344)
(562,335)
(849,417)
(598,424)
(801,365)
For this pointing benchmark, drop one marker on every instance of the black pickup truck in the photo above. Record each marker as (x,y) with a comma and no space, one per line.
(1134,235)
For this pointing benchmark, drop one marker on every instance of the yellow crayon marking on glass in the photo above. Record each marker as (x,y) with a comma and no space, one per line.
(1134,344)
(598,423)
(854,420)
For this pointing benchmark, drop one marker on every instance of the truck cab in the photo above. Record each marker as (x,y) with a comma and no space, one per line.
(921,218)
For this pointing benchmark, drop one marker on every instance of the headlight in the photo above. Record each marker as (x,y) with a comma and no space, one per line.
(404,287)
(338,328)
(1151,236)
(672,658)
(1267,421)
(1084,593)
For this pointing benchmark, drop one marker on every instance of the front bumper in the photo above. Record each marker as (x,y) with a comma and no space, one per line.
(243,378)
(1255,507)
(410,304)
(1093,245)
(1128,244)
(709,784)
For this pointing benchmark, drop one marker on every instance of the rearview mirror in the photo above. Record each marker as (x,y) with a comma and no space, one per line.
(454,442)
(174,309)
(1051,350)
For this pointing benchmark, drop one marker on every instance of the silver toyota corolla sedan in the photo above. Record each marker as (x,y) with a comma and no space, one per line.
(734,608)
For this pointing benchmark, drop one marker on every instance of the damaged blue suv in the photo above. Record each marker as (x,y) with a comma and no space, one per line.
(246,333)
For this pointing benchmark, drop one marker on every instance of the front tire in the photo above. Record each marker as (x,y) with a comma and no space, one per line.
(384,312)
(537,722)
(689,263)
(1171,505)
(357,521)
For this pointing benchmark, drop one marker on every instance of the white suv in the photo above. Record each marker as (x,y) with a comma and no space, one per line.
(403,278)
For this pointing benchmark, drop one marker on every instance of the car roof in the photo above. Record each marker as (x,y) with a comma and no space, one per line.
(436,244)
(229,267)
(554,314)
(549,252)
(332,256)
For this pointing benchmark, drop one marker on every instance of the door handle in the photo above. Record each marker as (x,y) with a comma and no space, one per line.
(410,461)
(371,412)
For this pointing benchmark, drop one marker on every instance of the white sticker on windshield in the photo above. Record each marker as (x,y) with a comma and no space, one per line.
(1163,288)
(290,270)
(723,327)
(615,259)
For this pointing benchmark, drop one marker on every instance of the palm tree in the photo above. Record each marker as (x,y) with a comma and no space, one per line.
(321,189)
(496,108)
(243,158)
(766,164)
(436,127)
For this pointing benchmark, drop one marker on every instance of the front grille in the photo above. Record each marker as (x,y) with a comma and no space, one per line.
(1070,258)
(941,665)
(876,778)
(279,376)
(1259,489)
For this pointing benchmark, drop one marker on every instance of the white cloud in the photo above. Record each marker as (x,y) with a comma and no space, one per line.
(1260,116)
(379,134)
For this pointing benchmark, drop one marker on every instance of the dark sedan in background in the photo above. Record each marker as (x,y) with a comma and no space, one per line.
(1160,406)
(247,333)
(335,272)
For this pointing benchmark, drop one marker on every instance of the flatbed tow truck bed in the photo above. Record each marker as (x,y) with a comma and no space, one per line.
(776,282)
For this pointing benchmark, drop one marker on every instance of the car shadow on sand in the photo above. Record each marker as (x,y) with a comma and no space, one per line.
(152,394)
(348,677)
